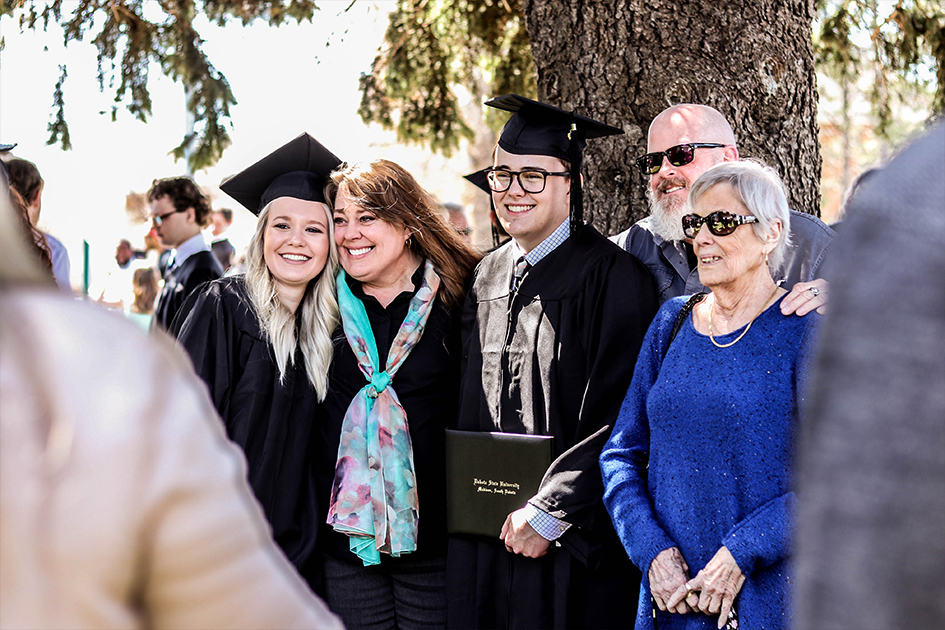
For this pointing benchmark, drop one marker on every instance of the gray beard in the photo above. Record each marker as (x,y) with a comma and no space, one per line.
(665,220)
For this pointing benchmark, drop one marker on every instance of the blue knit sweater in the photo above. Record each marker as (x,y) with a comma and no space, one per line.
(700,457)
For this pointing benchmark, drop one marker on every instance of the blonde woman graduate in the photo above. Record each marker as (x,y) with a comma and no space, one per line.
(262,341)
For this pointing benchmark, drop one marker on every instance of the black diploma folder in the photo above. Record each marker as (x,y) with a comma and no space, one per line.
(489,476)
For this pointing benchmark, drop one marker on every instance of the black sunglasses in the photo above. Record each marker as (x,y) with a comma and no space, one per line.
(679,155)
(720,222)
(158,219)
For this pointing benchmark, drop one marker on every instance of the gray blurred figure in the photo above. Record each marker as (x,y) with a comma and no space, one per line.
(871,526)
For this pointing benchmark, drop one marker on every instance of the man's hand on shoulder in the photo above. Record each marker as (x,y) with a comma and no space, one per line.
(521,538)
(805,297)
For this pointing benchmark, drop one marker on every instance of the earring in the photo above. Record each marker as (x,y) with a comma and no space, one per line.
(409,241)
(766,260)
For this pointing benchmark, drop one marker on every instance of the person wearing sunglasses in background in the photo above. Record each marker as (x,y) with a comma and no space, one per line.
(179,212)
(683,142)
(697,472)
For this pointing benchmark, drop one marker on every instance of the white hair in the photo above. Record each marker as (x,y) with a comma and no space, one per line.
(759,188)
(319,309)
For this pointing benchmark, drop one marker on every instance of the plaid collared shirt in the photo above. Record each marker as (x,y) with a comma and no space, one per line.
(560,235)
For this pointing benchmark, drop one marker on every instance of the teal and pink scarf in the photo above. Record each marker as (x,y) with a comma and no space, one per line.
(374,494)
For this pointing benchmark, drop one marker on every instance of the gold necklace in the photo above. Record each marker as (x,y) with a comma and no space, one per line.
(744,332)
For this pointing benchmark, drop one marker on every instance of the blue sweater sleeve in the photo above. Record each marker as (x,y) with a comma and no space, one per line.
(625,457)
(764,537)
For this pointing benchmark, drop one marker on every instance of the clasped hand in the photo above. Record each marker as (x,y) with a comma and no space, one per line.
(712,591)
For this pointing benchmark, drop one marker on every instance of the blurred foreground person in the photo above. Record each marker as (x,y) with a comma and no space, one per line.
(122,504)
(697,470)
(262,340)
(871,528)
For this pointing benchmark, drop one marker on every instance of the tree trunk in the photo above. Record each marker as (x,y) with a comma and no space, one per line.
(623,61)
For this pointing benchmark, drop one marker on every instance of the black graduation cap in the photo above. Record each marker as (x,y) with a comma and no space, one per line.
(480,179)
(297,169)
(539,129)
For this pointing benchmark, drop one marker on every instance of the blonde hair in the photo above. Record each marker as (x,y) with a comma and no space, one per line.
(390,192)
(319,309)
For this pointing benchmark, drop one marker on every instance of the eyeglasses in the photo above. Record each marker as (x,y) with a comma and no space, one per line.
(679,155)
(720,222)
(500,180)
(158,219)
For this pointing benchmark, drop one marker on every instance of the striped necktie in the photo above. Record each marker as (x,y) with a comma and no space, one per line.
(521,268)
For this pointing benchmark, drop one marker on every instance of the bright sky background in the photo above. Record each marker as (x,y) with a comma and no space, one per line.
(286,80)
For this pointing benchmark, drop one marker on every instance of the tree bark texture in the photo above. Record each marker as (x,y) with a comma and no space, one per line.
(624,61)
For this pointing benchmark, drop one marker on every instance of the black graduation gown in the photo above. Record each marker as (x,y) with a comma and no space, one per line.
(181,282)
(270,420)
(555,360)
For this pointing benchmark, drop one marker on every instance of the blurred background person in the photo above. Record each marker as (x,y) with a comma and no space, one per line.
(220,243)
(144,287)
(456,216)
(116,291)
(179,212)
(400,294)
(871,526)
(697,471)
(25,179)
(262,341)
(37,248)
(122,504)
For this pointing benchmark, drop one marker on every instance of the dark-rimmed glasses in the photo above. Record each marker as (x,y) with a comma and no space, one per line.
(500,179)
(720,222)
(679,155)
(158,219)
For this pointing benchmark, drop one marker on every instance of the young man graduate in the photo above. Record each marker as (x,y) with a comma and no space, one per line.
(551,329)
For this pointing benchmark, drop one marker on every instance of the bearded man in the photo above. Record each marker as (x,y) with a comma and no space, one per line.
(683,142)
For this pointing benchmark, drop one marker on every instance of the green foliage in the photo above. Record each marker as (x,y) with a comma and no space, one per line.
(127,43)
(58,129)
(430,47)
(901,45)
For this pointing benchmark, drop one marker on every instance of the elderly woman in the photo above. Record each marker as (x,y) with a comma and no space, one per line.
(697,469)
(394,388)
(262,341)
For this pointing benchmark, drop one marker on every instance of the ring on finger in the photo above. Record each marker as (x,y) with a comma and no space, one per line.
(814,291)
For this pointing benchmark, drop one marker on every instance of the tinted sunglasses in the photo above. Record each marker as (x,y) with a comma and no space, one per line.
(720,222)
(679,155)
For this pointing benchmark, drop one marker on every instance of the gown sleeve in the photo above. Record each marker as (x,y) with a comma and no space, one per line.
(617,307)
(205,328)
(625,457)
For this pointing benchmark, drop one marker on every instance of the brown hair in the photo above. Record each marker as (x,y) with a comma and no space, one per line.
(183,193)
(24,179)
(394,196)
(145,283)
(33,237)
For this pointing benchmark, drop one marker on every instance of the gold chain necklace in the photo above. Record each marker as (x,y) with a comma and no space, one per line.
(744,332)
